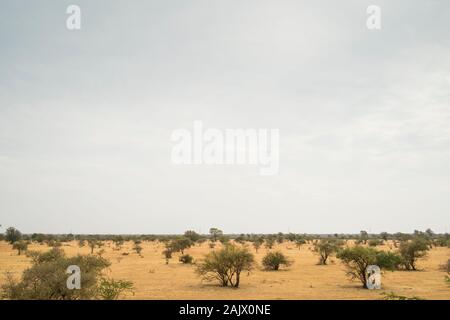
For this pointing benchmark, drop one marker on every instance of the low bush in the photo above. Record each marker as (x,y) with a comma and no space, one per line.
(273,261)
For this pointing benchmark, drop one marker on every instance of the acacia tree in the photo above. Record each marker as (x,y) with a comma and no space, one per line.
(181,244)
(325,248)
(413,250)
(215,233)
(167,255)
(92,243)
(137,248)
(226,265)
(256,245)
(269,242)
(299,243)
(12,235)
(363,236)
(358,258)
(20,246)
(192,235)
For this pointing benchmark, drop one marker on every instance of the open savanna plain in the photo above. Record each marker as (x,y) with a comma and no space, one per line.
(305,279)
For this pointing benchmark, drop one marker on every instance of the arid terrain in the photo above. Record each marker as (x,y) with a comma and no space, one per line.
(153,279)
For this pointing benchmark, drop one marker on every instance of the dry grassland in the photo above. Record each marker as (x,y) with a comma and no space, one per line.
(153,279)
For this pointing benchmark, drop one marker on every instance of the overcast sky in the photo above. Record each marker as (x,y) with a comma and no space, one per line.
(86,116)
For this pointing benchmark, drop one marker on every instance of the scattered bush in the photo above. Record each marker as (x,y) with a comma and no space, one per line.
(269,243)
(299,243)
(46,278)
(186,259)
(179,244)
(167,255)
(137,248)
(325,248)
(413,250)
(273,261)
(110,289)
(375,242)
(215,233)
(226,265)
(256,245)
(192,235)
(20,246)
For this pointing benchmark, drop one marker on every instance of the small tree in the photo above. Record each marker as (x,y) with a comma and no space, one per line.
(413,250)
(137,248)
(269,243)
(273,261)
(226,265)
(192,235)
(110,289)
(256,245)
(20,246)
(181,244)
(81,243)
(12,235)
(92,243)
(363,236)
(118,242)
(215,233)
(358,258)
(167,255)
(325,248)
(299,243)
(384,236)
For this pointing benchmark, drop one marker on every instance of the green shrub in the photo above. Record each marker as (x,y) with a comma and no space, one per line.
(413,250)
(110,289)
(20,246)
(186,259)
(375,242)
(273,261)
(12,235)
(325,248)
(46,279)
(358,258)
(226,265)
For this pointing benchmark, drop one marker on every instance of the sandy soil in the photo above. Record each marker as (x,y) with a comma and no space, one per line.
(153,279)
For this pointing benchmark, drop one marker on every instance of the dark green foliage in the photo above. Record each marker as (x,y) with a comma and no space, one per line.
(186,259)
(273,261)
(215,233)
(325,248)
(375,242)
(110,289)
(20,246)
(192,235)
(226,265)
(46,279)
(12,235)
(413,250)
(358,258)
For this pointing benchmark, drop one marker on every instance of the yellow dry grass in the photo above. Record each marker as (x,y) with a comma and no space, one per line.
(153,279)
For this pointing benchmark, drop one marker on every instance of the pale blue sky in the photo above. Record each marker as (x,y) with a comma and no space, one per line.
(86,116)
